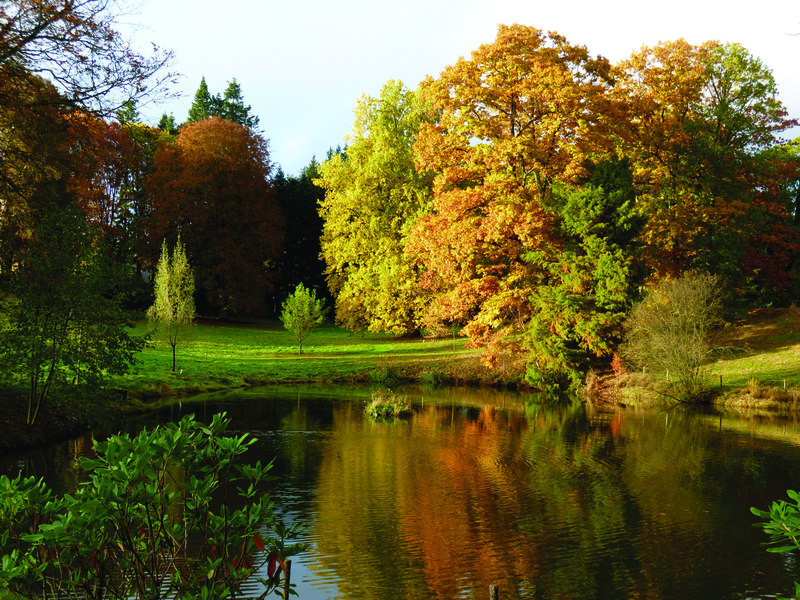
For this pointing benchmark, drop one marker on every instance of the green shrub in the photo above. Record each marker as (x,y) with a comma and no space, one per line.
(385,376)
(433,378)
(387,405)
(154,521)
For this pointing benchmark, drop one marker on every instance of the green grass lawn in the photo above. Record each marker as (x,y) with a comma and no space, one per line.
(226,354)
(757,363)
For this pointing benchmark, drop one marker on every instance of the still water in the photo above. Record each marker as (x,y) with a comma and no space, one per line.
(484,487)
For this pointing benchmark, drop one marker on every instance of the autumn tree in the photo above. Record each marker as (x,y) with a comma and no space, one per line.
(302,313)
(213,186)
(700,125)
(75,45)
(373,197)
(519,115)
(173,311)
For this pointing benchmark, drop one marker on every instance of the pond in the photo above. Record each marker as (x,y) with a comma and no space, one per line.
(481,487)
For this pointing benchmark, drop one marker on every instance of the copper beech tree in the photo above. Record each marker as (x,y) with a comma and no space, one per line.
(520,114)
(213,187)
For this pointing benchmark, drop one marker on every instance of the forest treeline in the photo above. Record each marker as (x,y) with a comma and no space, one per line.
(526,196)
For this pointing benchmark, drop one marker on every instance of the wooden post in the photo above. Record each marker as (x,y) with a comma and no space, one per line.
(494,592)
(286,580)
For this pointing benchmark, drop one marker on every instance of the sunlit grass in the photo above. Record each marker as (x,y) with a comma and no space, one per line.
(756,365)
(219,354)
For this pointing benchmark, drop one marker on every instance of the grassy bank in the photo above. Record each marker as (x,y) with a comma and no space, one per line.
(756,365)
(219,355)
(222,355)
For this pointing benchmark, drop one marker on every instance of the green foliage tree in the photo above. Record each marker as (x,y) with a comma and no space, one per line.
(302,313)
(229,106)
(203,104)
(64,331)
(373,197)
(155,520)
(173,311)
(669,332)
(591,277)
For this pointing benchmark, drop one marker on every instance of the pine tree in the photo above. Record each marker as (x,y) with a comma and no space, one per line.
(173,311)
(203,104)
(167,124)
(232,106)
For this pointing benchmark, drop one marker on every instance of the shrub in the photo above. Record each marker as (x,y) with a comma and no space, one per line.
(668,333)
(385,376)
(433,378)
(154,521)
(387,404)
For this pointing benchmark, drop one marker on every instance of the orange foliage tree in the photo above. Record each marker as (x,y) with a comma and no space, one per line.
(213,187)
(519,115)
(700,126)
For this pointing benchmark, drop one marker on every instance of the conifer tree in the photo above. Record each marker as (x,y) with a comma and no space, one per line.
(232,106)
(173,310)
(203,104)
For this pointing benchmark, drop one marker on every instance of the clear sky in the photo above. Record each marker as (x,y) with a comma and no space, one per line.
(303,64)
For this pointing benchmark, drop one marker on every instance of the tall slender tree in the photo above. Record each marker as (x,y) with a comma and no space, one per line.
(203,104)
(173,311)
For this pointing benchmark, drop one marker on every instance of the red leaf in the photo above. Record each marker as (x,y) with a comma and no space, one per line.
(259,543)
(273,560)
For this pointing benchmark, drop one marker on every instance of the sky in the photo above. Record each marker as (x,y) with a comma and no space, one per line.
(303,64)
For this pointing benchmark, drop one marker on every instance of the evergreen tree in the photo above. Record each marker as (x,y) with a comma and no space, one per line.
(167,124)
(203,104)
(173,311)
(590,275)
(232,107)
(300,260)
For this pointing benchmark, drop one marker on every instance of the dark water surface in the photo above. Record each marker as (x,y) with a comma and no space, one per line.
(481,488)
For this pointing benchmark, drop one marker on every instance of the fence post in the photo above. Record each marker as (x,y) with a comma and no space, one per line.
(494,592)
(286,580)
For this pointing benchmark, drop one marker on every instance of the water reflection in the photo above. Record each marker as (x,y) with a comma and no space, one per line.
(483,487)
